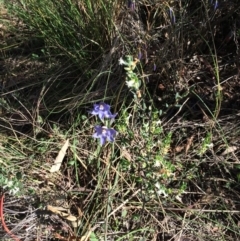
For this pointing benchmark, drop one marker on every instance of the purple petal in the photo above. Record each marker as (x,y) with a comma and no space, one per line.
(111,133)
(98,129)
(102,140)
(105,106)
(154,67)
(110,115)
(131,4)
(215,5)
(110,139)
(113,115)
(139,55)
(101,115)
(93,112)
(107,113)
(172,15)
(96,107)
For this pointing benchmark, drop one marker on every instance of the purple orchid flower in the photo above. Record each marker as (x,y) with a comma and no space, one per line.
(103,133)
(103,111)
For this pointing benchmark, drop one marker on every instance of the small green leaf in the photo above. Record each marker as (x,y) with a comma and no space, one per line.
(71,163)
(124,213)
(93,237)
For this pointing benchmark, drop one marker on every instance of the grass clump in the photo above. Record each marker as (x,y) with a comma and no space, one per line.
(80,31)
(164,160)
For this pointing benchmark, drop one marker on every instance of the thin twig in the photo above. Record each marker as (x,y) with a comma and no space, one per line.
(203,210)
(126,201)
(180,108)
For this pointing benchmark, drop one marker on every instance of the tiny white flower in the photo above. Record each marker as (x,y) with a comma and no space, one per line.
(157,163)
(121,61)
(130,83)
(133,84)
(210,145)
(8,184)
(160,190)
(14,190)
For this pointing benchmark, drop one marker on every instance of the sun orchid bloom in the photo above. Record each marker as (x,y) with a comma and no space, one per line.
(103,133)
(103,111)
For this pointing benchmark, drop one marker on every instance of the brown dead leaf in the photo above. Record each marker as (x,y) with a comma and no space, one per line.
(62,212)
(215,229)
(70,218)
(126,155)
(189,143)
(56,210)
(58,161)
(179,149)
(229,150)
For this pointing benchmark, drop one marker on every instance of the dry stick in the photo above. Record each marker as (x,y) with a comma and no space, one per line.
(192,210)
(202,210)
(3,222)
(114,211)
(178,111)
